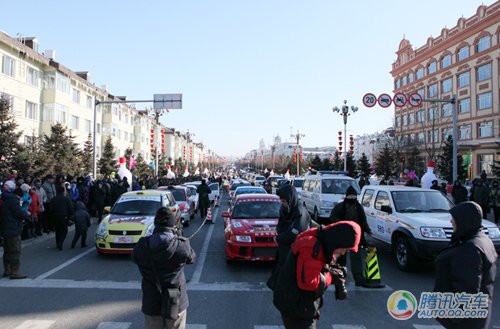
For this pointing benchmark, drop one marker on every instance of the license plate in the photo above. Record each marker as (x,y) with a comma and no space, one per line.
(123,239)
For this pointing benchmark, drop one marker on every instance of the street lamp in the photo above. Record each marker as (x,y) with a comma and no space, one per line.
(345,113)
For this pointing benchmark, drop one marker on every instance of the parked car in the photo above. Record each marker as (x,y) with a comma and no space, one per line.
(298,182)
(235,183)
(182,198)
(214,187)
(194,198)
(415,222)
(130,218)
(245,190)
(250,228)
(258,180)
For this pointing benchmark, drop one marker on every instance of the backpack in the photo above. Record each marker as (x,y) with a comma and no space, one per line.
(287,296)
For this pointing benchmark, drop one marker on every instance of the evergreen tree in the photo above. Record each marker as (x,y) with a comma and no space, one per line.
(384,163)
(414,159)
(363,166)
(316,163)
(397,159)
(141,168)
(351,165)
(107,163)
(326,164)
(32,159)
(87,156)
(338,163)
(9,145)
(62,151)
(445,162)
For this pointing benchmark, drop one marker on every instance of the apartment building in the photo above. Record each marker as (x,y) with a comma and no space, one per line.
(462,61)
(44,92)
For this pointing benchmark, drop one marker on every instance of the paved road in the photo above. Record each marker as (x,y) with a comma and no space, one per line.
(78,289)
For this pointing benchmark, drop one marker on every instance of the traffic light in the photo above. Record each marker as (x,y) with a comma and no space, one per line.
(295,155)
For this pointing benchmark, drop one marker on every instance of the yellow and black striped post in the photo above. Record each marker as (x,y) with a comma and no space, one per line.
(372,270)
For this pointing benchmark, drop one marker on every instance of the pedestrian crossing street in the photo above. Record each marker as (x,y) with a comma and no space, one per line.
(47,324)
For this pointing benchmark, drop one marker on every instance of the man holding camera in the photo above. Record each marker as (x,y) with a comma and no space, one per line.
(161,258)
(310,267)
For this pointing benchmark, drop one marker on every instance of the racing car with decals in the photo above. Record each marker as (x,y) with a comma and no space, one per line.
(250,228)
(131,218)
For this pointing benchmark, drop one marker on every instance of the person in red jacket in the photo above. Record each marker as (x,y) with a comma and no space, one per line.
(310,268)
(34,208)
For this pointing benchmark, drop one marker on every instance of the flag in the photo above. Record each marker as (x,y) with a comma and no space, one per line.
(132,162)
(153,164)
(467,159)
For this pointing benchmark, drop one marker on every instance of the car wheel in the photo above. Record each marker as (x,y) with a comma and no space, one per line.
(404,254)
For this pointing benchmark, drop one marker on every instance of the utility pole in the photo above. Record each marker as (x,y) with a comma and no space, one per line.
(297,137)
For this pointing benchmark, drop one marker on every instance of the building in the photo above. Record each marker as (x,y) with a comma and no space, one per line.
(44,92)
(462,61)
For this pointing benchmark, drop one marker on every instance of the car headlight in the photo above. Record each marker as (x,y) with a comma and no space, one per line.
(433,232)
(101,230)
(150,230)
(327,204)
(493,232)
(243,238)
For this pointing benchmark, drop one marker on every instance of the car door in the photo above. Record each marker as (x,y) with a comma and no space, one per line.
(214,187)
(366,201)
(382,218)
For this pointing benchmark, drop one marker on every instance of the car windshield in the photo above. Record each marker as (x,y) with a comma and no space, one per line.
(256,209)
(249,191)
(235,185)
(337,186)
(179,195)
(420,201)
(136,207)
(298,183)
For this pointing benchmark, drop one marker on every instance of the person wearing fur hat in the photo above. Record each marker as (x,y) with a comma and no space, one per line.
(350,209)
(160,258)
(11,226)
(468,264)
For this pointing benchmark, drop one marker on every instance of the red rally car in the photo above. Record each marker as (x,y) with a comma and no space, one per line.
(251,228)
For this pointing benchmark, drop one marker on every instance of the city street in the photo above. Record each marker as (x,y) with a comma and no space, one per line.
(79,289)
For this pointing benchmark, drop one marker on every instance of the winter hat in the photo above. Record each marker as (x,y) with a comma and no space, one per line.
(351,191)
(165,217)
(431,164)
(9,186)
(25,187)
(343,234)
(468,219)
(18,192)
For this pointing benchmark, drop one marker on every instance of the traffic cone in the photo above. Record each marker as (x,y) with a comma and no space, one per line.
(372,271)
(209,215)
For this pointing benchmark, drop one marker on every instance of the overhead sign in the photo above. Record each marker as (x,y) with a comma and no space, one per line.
(384,100)
(369,100)
(415,100)
(167,101)
(400,99)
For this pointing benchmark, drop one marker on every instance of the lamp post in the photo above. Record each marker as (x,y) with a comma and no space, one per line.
(273,148)
(297,136)
(189,139)
(344,111)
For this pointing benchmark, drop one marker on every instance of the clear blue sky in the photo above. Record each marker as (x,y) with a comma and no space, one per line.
(248,70)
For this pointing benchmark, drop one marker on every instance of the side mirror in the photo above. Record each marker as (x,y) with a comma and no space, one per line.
(386,209)
(225,214)
(107,210)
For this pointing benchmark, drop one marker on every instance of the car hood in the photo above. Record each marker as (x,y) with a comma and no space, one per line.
(253,225)
(135,219)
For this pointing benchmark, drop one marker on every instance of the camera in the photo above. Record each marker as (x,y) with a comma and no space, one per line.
(339,273)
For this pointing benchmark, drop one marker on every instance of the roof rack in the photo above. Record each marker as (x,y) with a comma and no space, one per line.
(331,172)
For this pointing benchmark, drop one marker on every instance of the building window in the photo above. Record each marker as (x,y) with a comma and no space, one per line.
(421,116)
(420,73)
(420,138)
(446,61)
(465,132)
(411,77)
(433,136)
(75,122)
(8,65)
(61,112)
(125,136)
(398,121)
(432,114)
(484,101)
(397,84)
(485,129)
(32,77)
(484,72)
(76,96)
(446,132)
(463,53)
(62,83)
(446,86)
(411,118)
(28,141)
(98,128)
(447,110)
(88,102)
(404,80)
(431,68)
(88,126)
(485,162)
(483,43)
(31,111)
(432,91)
(463,79)
(464,105)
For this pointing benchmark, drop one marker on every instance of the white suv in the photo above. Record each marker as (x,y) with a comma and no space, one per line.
(414,221)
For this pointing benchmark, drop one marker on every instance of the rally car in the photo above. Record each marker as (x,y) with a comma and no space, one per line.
(131,218)
(250,228)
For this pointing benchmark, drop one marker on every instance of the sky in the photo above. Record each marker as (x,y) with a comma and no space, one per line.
(247,70)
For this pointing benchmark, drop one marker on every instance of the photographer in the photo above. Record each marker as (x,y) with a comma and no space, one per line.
(310,267)
(161,258)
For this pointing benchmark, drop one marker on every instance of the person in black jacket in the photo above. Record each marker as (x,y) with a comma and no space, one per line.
(161,258)
(468,264)
(351,209)
(12,218)
(204,201)
(459,192)
(61,210)
(81,218)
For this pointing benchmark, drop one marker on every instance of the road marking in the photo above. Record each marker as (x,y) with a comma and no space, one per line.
(196,326)
(63,265)
(269,327)
(347,326)
(114,325)
(200,263)
(428,326)
(35,324)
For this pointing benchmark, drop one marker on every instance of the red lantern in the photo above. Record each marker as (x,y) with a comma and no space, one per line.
(300,155)
(295,155)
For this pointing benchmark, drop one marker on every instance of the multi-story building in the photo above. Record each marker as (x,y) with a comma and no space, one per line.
(462,61)
(43,92)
